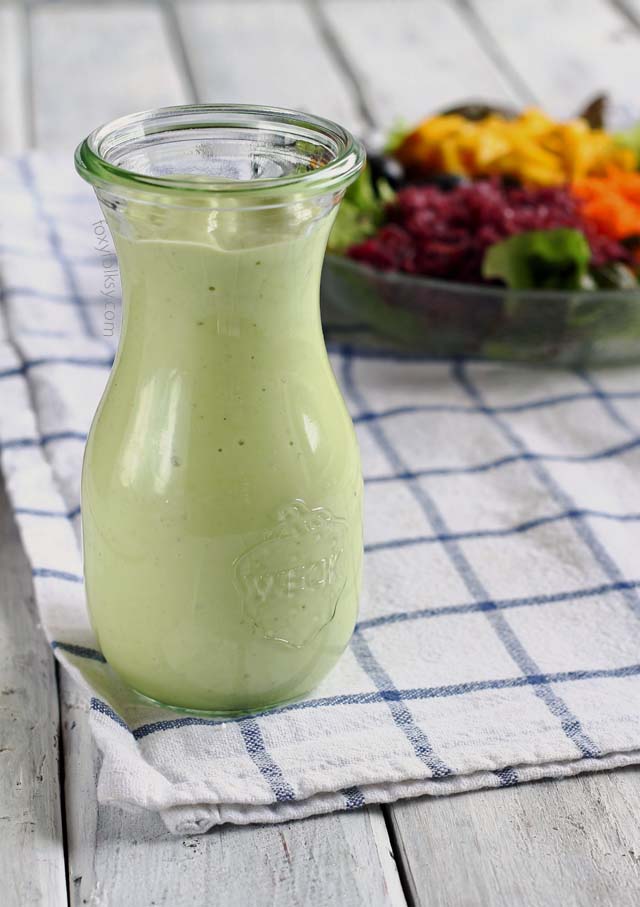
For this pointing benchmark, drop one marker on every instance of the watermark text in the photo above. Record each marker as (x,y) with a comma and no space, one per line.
(110,276)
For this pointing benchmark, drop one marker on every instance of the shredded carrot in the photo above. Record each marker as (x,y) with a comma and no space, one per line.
(611,201)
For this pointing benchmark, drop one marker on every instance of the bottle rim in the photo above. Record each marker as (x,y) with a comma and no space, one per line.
(99,158)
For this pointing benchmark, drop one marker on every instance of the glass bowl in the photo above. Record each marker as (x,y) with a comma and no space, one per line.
(442,318)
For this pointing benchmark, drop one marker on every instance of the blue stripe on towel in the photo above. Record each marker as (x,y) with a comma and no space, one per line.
(399,711)
(508,777)
(51,573)
(354,798)
(562,498)
(81,651)
(470,409)
(52,514)
(502,533)
(396,695)
(97,705)
(502,628)
(81,361)
(268,768)
(526,456)
(498,604)
(50,438)
(606,399)
(55,243)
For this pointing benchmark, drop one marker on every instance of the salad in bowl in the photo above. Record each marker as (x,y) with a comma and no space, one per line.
(488,232)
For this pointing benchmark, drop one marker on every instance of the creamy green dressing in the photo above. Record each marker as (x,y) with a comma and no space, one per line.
(221,496)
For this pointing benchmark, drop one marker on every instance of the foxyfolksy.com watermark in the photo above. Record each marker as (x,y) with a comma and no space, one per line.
(110,276)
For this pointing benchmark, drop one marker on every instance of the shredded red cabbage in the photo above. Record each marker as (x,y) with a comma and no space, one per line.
(445,234)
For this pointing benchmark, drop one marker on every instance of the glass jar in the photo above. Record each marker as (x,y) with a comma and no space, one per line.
(221,485)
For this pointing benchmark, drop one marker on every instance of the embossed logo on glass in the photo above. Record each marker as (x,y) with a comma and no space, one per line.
(291,582)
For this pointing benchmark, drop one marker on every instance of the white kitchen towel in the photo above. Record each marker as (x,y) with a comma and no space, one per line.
(499,634)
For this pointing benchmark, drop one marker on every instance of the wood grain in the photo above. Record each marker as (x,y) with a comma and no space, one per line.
(14,104)
(568,52)
(574,842)
(412,57)
(32,865)
(263,53)
(119,858)
(120,60)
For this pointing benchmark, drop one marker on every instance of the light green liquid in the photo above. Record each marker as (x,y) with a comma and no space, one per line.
(221,498)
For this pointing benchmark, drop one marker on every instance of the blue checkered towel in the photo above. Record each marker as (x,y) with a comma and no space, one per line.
(499,637)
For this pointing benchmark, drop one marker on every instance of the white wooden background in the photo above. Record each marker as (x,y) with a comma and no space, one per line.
(64,68)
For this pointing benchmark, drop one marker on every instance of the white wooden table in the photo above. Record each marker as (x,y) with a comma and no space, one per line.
(65,67)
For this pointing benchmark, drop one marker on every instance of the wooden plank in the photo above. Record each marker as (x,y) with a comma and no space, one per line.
(574,842)
(93,63)
(568,52)
(14,111)
(32,865)
(412,57)
(129,858)
(263,53)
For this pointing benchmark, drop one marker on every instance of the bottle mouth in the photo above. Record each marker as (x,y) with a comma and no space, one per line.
(208,150)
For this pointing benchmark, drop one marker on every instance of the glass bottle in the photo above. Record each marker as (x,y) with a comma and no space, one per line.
(221,485)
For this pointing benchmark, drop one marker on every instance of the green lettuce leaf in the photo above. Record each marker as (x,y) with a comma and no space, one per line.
(542,260)
(361,211)
(396,135)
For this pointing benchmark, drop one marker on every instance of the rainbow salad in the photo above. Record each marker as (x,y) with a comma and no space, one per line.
(482,196)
